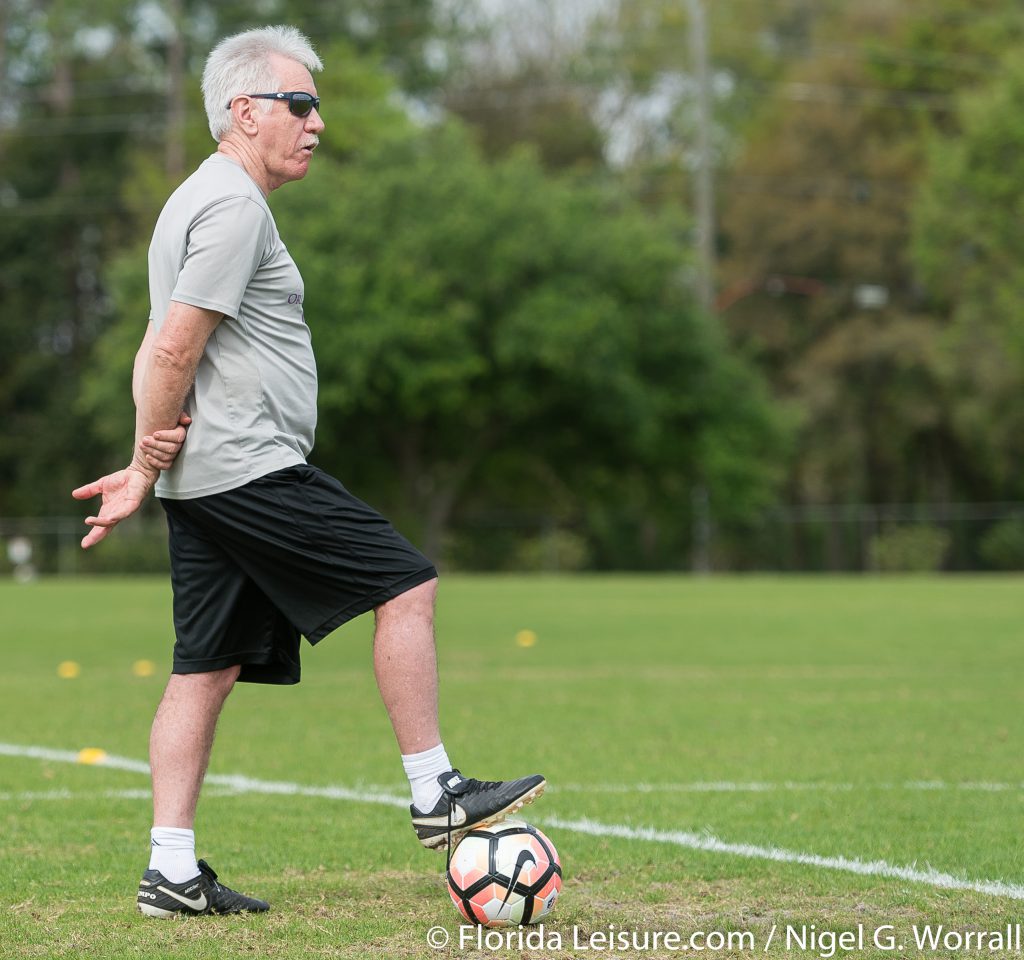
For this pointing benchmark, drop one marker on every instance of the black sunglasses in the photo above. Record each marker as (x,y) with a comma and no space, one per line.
(300,104)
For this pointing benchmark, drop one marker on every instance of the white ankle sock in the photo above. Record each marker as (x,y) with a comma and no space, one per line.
(423,769)
(173,853)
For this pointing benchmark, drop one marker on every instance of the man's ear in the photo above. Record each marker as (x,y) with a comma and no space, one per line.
(245,114)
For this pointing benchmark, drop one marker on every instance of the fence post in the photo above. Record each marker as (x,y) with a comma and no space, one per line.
(702,529)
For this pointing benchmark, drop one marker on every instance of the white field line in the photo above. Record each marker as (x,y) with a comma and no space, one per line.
(236,783)
(783,786)
(68,795)
(71,756)
(705,843)
(729,786)
(372,792)
(33,795)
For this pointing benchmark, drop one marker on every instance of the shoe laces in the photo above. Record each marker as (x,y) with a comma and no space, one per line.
(450,794)
(448,851)
(211,875)
(206,869)
(485,784)
(464,784)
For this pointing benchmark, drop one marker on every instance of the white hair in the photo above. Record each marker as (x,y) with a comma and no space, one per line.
(241,64)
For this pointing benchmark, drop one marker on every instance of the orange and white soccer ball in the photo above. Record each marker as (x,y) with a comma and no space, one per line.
(504,875)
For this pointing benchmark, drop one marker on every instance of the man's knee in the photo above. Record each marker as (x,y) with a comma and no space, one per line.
(208,683)
(416,601)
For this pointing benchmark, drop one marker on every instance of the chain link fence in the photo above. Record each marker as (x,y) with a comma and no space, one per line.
(848,538)
(880,538)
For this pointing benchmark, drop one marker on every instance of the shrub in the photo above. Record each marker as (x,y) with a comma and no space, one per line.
(1002,546)
(913,549)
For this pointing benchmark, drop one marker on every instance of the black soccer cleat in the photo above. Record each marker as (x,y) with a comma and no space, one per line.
(466,804)
(158,897)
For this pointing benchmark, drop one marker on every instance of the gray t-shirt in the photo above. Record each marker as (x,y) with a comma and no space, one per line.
(253,406)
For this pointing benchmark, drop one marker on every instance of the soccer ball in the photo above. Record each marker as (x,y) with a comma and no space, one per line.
(504,875)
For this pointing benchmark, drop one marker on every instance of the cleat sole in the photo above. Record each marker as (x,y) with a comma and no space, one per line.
(149,910)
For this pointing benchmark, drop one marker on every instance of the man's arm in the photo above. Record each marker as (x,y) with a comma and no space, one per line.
(141,360)
(160,449)
(164,372)
(164,376)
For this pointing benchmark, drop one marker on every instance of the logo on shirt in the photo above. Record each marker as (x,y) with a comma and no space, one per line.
(295,298)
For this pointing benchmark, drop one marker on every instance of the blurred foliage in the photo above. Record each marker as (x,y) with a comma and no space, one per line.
(1002,546)
(819,284)
(495,242)
(489,336)
(971,254)
(560,550)
(911,549)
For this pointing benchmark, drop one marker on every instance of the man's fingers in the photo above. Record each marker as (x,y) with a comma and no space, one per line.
(164,441)
(159,461)
(93,489)
(107,521)
(95,535)
(184,419)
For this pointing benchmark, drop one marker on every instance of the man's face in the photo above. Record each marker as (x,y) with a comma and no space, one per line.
(286,142)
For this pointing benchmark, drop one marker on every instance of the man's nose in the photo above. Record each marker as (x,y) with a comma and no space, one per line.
(314,122)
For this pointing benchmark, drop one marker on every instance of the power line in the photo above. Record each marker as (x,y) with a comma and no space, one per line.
(865,96)
(935,61)
(527,94)
(146,123)
(856,189)
(501,99)
(946,17)
(96,89)
(911,101)
(942,61)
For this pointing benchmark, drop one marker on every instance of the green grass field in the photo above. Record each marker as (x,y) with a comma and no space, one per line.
(868,720)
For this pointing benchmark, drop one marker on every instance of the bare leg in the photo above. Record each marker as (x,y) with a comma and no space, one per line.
(181,740)
(405,665)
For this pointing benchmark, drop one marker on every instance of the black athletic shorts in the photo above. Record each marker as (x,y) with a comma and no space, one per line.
(290,553)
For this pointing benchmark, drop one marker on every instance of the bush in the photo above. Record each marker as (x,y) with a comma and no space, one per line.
(1002,546)
(917,549)
(555,550)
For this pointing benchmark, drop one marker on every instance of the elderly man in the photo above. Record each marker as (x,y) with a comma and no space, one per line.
(264,548)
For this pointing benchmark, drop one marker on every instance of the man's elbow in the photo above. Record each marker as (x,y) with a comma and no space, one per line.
(169,357)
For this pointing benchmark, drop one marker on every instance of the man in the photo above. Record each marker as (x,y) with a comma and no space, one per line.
(263,546)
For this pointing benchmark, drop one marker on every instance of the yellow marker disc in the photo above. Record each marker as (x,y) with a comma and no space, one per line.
(526,638)
(92,755)
(143,668)
(68,670)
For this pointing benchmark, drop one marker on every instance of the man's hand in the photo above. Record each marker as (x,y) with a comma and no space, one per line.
(123,493)
(161,449)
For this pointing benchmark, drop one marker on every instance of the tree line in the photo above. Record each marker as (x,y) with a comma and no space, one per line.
(496,239)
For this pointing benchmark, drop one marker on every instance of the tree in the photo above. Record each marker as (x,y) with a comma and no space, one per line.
(359,106)
(517,81)
(970,253)
(489,335)
(469,309)
(101,120)
(819,285)
(64,141)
